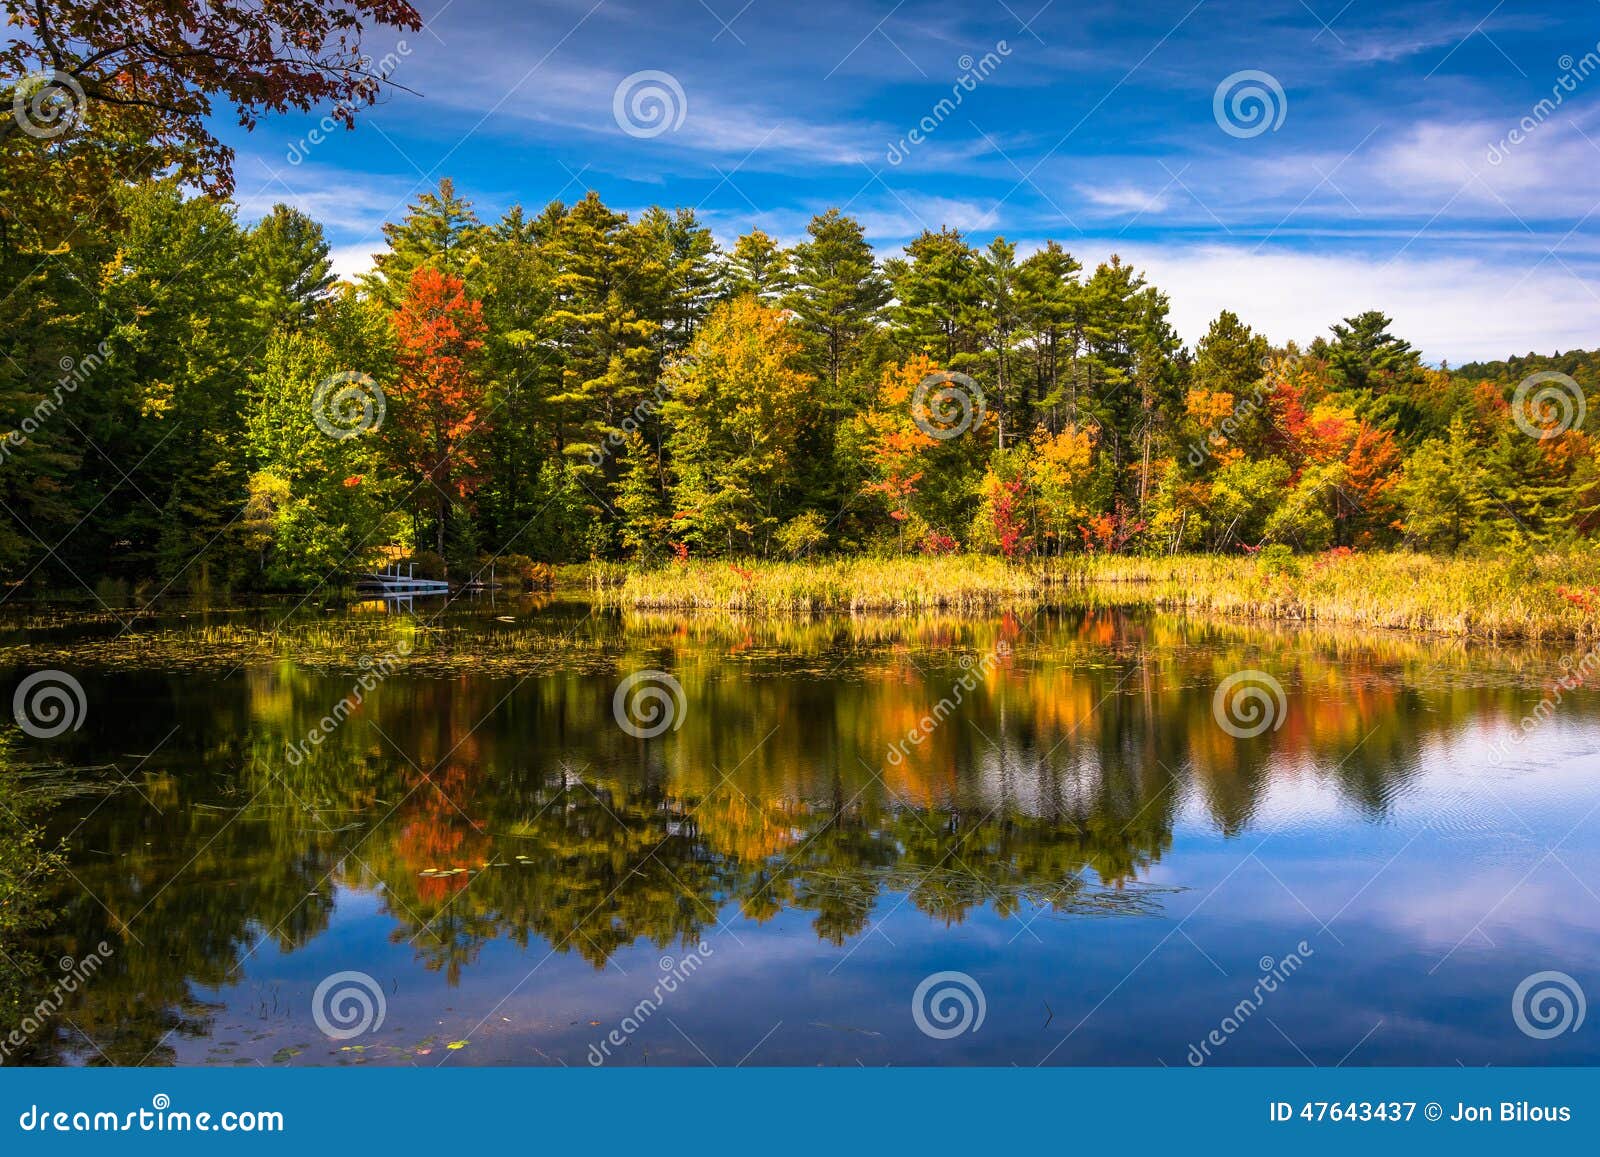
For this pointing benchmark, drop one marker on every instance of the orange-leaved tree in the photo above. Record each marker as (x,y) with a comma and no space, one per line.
(440,403)
(895,449)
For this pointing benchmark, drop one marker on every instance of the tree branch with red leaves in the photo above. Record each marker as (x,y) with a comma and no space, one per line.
(164,62)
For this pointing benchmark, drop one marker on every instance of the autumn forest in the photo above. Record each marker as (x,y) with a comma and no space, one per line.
(584,383)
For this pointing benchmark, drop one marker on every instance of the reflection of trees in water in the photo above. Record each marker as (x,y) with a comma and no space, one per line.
(30,864)
(488,809)
(599,866)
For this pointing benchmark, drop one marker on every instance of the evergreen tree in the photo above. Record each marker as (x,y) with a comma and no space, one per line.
(516,275)
(603,331)
(839,291)
(182,342)
(286,256)
(938,294)
(645,523)
(1049,302)
(1365,356)
(760,266)
(999,328)
(1442,491)
(440,231)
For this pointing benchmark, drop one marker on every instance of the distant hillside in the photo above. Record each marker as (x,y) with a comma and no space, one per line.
(1581,365)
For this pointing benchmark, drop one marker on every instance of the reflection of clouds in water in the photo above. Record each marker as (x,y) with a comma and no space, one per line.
(1091,750)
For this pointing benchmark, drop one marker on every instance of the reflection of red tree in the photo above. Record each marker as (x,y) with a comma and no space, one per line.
(1099,630)
(435,832)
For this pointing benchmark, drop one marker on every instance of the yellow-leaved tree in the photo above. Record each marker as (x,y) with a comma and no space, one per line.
(737,410)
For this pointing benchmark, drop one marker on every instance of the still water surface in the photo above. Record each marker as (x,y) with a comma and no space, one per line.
(1075,832)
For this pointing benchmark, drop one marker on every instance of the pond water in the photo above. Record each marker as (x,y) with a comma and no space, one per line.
(1066,837)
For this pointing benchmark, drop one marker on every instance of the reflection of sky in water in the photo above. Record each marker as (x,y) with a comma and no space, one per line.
(1432,915)
(1426,876)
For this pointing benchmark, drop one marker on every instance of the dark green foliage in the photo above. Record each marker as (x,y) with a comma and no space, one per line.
(639,393)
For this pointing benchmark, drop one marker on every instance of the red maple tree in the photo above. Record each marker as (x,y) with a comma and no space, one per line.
(440,392)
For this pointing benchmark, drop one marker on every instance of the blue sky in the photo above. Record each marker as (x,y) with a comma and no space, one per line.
(1385,176)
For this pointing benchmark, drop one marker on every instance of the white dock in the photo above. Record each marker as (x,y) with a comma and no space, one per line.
(391,582)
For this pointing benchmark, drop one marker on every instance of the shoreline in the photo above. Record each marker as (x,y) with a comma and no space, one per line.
(1551,598)
(1548,597)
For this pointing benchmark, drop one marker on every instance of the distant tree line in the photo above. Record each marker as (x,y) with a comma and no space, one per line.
(197,402)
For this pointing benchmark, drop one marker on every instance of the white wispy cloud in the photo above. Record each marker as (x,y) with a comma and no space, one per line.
(1452,308)
(569,97)
(1125,198)
(345,202)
